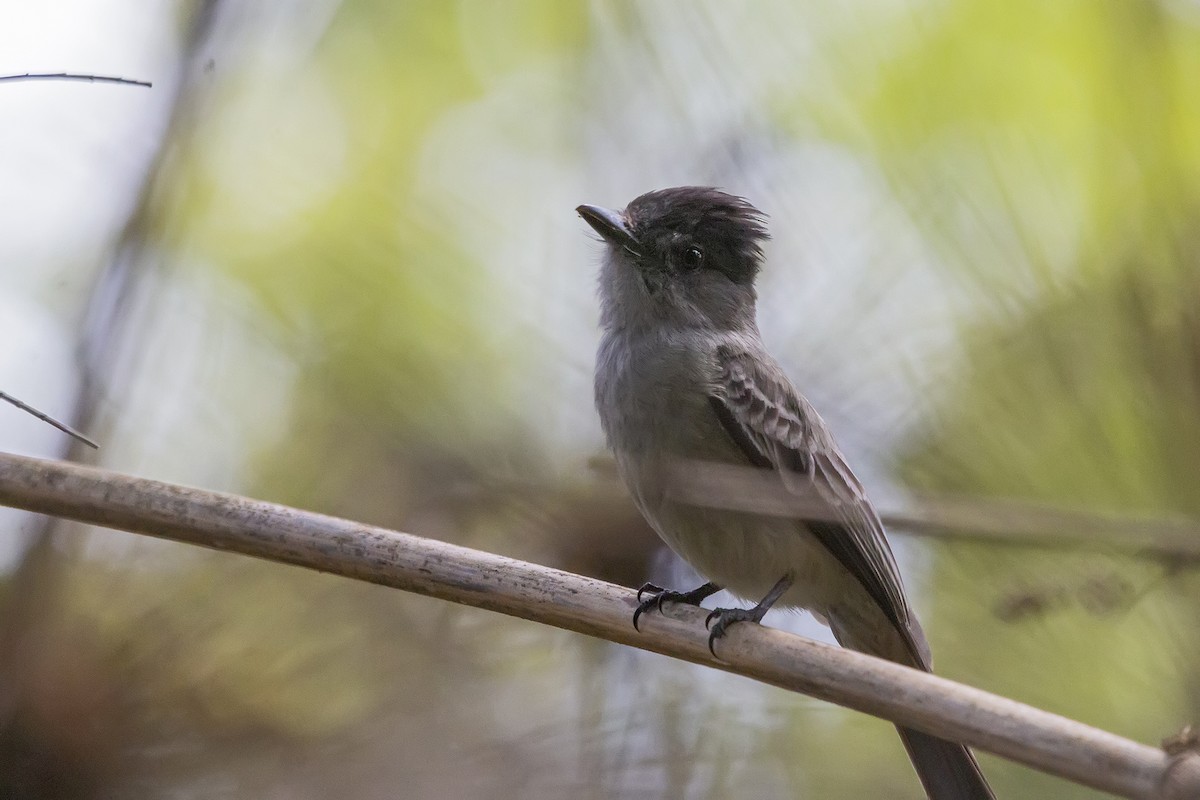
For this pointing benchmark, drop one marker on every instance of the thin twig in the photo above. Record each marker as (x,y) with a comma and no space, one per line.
(915,699)
(74,76)
(62,426)
(729,486)
(1018,523)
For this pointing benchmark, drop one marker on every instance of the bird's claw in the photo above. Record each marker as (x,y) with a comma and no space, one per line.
(649,588)
(657,595)
(724,618)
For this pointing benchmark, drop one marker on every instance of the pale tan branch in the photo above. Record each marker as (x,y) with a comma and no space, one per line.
(1025,734)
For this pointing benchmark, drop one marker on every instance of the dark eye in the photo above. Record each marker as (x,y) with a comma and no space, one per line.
(693,257)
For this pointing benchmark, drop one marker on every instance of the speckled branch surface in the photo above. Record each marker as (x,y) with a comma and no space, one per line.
(1046,741)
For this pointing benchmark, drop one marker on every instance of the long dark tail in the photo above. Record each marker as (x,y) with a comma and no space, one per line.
(947,770)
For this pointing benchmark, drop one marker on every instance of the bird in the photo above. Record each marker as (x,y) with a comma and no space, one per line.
(682,380)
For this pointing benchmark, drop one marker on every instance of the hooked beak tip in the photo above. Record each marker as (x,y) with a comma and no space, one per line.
(610,225)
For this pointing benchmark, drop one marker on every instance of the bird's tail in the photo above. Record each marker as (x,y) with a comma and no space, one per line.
(947,770)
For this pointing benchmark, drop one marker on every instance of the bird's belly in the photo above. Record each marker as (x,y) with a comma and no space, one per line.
(748,553)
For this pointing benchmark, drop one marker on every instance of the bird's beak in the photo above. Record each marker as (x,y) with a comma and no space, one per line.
(610,225)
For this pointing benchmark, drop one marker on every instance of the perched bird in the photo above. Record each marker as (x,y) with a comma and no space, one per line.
(683,379)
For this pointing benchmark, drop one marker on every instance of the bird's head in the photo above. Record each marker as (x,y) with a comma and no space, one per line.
(688,256)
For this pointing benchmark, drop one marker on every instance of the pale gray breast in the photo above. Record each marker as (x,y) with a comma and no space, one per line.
(652,395)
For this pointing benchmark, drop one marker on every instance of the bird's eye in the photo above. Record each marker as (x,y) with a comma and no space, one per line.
(693,257)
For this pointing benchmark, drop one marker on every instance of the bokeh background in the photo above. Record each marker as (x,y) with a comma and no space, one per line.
(331,260)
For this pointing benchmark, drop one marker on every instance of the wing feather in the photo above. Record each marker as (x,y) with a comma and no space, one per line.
(776,428)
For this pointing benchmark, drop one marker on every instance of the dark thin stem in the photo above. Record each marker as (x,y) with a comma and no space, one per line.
(62,426)
(73,76)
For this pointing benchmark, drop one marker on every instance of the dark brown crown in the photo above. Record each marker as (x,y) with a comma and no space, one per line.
(728,229)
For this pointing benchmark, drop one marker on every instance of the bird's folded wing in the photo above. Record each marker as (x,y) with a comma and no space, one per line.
(777,429)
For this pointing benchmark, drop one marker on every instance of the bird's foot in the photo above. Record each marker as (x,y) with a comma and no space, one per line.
(657,595)
(727,616)
(724,617)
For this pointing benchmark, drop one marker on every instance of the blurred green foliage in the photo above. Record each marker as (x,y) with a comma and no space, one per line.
(1046,153)
(1051,153)
(372,290)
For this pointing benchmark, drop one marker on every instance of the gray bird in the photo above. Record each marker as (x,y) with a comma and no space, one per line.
(683,380)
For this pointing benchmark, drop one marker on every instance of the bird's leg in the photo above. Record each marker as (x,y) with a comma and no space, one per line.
(727,616)
(658,595)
